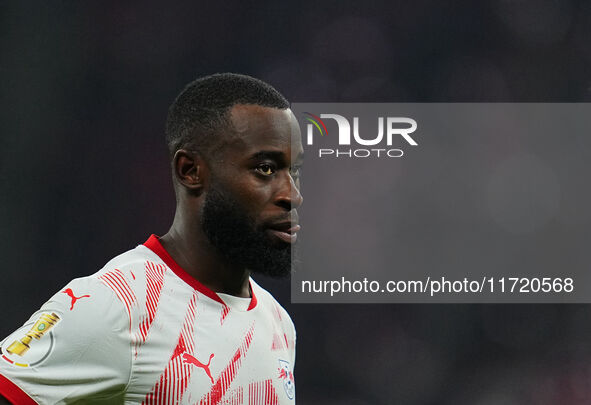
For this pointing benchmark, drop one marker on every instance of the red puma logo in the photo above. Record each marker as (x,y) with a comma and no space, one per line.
(74,298)
(188,358)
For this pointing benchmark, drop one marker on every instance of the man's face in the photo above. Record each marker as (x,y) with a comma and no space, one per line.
(250,205)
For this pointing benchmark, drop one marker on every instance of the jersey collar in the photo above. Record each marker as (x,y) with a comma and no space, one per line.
(153,243)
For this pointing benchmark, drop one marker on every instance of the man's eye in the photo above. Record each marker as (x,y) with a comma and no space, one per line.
(266,169)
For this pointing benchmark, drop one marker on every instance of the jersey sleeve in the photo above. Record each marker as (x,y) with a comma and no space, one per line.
(75,348)
(292,338)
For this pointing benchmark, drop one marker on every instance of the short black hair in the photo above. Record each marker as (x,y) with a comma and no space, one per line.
(201,109)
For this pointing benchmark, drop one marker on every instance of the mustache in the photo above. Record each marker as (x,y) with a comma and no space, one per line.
(291,216)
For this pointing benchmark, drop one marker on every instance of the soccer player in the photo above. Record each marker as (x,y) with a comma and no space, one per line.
(178,319)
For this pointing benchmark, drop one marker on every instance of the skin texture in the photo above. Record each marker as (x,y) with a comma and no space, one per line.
(253,164)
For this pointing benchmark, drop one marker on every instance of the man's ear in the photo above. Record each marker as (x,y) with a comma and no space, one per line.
(190,170)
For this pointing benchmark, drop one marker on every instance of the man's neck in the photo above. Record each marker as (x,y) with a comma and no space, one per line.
(194,253)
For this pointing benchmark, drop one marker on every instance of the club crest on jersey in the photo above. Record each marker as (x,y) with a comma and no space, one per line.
(21,349)
(286,375)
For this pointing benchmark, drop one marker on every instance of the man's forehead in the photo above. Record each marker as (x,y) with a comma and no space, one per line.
(258,125)
(250,116)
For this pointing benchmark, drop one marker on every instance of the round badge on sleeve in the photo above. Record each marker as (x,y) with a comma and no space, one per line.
(32,343)
(286,376)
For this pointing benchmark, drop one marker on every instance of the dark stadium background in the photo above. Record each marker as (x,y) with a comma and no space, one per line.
(84,172)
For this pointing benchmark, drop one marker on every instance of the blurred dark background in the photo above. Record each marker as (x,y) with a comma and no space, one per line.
(85,87)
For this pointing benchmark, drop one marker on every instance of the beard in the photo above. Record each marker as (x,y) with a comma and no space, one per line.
(237,238)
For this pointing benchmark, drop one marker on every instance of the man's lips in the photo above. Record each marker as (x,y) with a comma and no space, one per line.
(287,231)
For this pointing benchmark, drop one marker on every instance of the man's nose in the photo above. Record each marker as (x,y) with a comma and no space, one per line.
(289,196)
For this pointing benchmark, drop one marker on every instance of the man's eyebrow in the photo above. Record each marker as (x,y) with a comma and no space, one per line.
(277,156)
(271,155)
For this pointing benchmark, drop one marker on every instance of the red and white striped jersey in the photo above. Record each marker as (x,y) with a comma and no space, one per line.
(142,331)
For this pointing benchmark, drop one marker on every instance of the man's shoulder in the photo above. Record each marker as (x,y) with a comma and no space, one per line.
(127,269)
(120,279)
(135,257)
